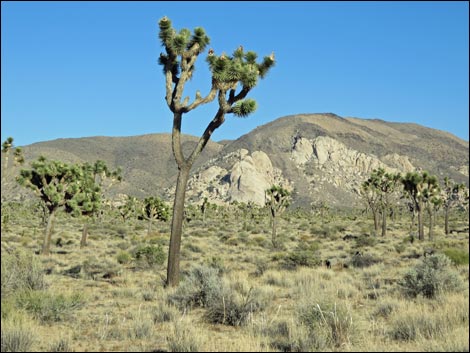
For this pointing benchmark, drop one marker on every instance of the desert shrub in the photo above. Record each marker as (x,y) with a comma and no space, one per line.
(235,305)
(399,248)
(365,240)
(304,255)
(140,327)
(48,307)
(330,324)
(457,256)
(61,345)
(164,313)
(95,268)
(432,276)
(217,263)
(261,267)
(385,309)
(406,327)
(362,261)
(16,338)
(182,338)
(21,271)
(288,337)
(150,255)
(123,257)
(202,285)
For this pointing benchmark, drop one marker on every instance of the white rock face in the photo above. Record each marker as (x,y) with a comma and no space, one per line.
(250,178)
(401,163)
(302,151)
(245,181)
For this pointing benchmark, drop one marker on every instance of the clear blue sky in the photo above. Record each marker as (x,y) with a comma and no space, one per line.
(75,69)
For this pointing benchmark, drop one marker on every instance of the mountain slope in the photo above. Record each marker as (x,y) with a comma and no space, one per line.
(320,157)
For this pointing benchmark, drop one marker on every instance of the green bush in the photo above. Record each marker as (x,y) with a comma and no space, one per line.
(124,257)
(150,255)
(48,307)
(457,256)
(330,324)
(235,305)
(304,255)
(202,285)
(361,261)
(21,271)
(365,240)
(431,277)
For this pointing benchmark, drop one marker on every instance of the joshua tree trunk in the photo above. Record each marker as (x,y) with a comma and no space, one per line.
(446,220)
(420,224)
(376,220)
(431,224)
(83,241)
(384,222)
(274,236)
(48,233)
(177,227)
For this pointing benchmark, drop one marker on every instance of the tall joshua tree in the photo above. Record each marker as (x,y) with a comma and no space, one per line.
(382,185)
(452,195)
(278,201)
(18,157)
(154,208)
(233,77)
(421,188)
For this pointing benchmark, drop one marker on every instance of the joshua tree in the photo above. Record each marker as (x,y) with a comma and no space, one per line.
(371,197)
(452,195)
(277,200)
(421,188)
(61,186)
(154,208)
(7,145)
(233,77)
(381,185)
(104,178)
(129,208)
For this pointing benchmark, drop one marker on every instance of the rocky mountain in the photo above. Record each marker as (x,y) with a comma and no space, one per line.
(319,157)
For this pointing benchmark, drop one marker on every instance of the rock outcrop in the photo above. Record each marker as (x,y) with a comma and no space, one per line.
(246,179)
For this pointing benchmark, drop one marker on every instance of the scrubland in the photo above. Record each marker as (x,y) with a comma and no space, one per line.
(237,293)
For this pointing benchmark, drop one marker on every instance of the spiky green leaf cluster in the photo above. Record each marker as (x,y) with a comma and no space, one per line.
(244,107)
(240,68)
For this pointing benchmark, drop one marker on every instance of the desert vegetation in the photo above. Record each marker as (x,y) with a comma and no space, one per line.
(331,283)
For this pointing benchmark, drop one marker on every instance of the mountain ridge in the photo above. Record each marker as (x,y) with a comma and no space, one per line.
(312,153)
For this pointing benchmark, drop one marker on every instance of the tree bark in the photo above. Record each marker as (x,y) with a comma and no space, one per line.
(173,268)
(48,233)
(274,236)
(446,220)
(420,224)
(431,225)
(376,220)
(384,222)
(83,241)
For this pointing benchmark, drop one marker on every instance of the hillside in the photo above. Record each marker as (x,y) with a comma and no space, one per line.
(320,157)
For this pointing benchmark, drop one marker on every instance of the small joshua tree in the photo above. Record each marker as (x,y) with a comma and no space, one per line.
(278,200)
(129,208)
(421,189)
(452,195)
(18,157)
(233,77)
(154,209)
(60,186)
(379,189)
